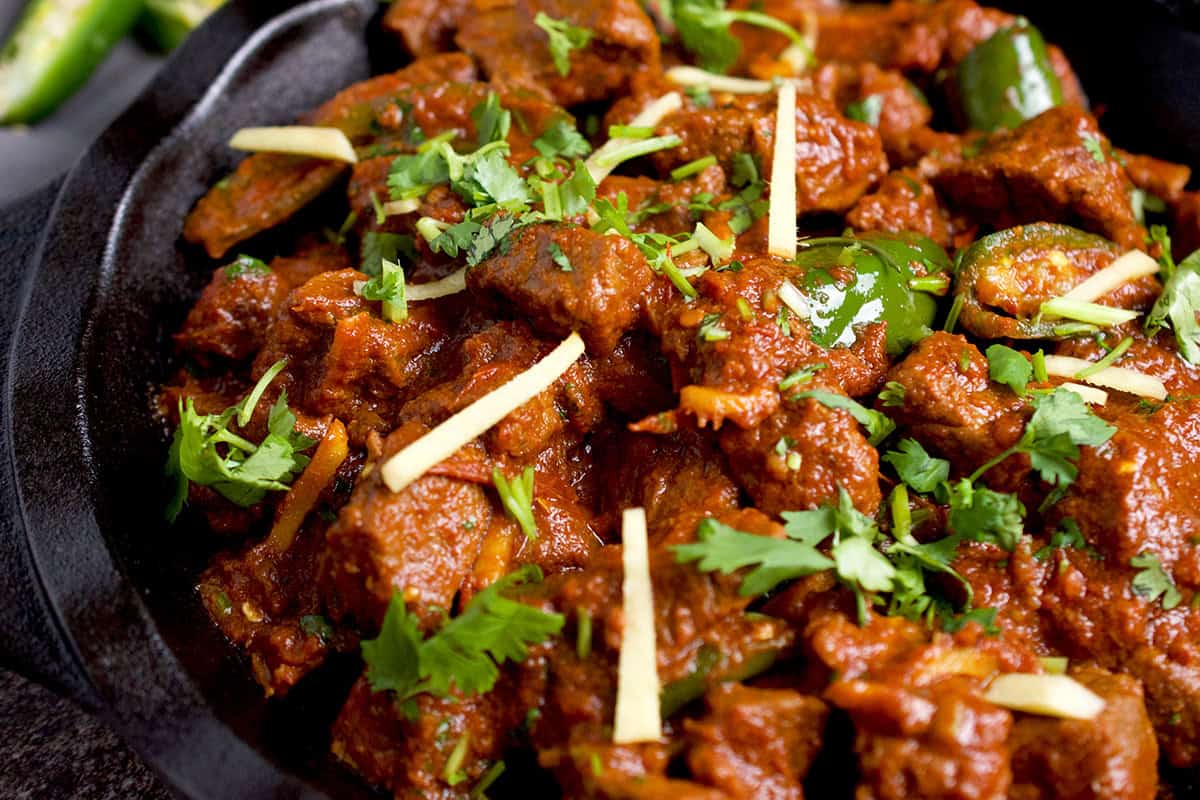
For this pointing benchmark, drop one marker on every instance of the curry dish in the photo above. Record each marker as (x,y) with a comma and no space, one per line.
(692,400)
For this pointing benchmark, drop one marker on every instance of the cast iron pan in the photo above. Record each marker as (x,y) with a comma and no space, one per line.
(96,592)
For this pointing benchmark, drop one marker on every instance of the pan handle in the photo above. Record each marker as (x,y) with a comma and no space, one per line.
(31,639)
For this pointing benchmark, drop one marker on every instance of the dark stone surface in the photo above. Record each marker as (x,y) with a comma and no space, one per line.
(50,749)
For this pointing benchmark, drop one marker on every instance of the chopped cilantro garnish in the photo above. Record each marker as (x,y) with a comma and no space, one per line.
(559,257)
(879,426)
(1009,367)
(516,495)
(1094,146)
(986,617)
(378,247)
(719,547)
(466,653)
(703,27)
(799,376)
(866,110)
(492,121)
(916,467)
(245,265)
(1067,535)
(1153,582)
(563,38)
(693,167)
(562,140)
(205,452)
(388,287)
(700,96)
(711,329)
(982,515)
(1177,307)
(892,394)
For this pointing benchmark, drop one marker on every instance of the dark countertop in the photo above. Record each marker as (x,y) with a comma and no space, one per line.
(49,748)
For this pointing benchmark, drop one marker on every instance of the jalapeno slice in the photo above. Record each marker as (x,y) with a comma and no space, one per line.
(54,49)
(850,281)
(1007,79)
(1004,278)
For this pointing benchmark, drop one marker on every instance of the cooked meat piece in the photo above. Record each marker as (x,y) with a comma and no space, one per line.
(231,318)
(756,743)
(669,200)
(1162,179)
(268,188)
(901,109)
(1057,167)
(1185,224)
(940,742)
(799,456)
(1157,356)
(426,27)
(419,543)
(1111,756)
(837,160)
(957,413)
(514,51)
(568,278)
(905,201)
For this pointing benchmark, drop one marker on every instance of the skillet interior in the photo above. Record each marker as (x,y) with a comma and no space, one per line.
(113,282)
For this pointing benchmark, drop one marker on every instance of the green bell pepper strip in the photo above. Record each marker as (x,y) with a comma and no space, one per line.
(53,50)
(712,667)
(850,281)
(998,258)
(1007,79)
(167,23)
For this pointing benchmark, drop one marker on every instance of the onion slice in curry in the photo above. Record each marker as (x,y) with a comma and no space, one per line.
(456,432)
(453,283)
(301,140)
(638,716)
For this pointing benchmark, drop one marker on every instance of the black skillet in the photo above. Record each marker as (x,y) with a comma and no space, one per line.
(96,594)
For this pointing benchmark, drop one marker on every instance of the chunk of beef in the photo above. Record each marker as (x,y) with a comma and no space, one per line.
(1057,167)
(1162,179)
(268,188)
(800,456)
(756,743)
(668,200)
(1156,355)
(905,201)
(426,27)
(1137,493)
(944,741)
(951,406)
(735,373)
(514,51)
(343,359)
(232,315)
(679,479)
(1112,756)
(569,278)
(419,543)
(837,160)
(902,110)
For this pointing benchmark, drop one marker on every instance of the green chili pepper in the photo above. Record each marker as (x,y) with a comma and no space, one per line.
(1054,257)
(53,49)
(713,666)
(168,22)
(850,281)
(1007,79)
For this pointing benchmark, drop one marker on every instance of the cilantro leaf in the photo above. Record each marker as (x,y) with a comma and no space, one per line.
(986,617)
(467,652)
(866,110)
(562,140)
(1061,423)
(205,452)
(1009,367)
(388,287)
(860,564)
(1153,582)
(916,467)
(1066,535)
(563,38)
(492,120)
(412,175)
(491,179)
(1177,307)
(719,547)
(879,426)
(559,257)
(378,247)
(245,265)
(703,27)
(982,515)
(516,495)
(1091,142)
(892,394)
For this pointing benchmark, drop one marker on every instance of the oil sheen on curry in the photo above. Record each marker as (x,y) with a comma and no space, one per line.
(708,401)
